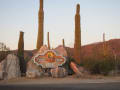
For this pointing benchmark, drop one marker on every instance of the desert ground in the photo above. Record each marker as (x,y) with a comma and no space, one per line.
(67,83)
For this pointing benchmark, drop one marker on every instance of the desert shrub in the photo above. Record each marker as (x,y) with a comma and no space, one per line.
(92,65)
(96,66)
(106,65)
(4,51)
(3,55)
(118,63)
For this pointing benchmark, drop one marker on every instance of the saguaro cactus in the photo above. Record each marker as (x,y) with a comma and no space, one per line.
(21,52)
(63,41)
(40,37)
(104,46)
(77,44)
(21,43)
(48,40)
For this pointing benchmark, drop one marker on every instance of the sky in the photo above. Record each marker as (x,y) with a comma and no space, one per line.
(97,17)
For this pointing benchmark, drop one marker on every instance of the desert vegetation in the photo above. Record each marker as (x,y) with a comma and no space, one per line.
(99,63)
(4,51)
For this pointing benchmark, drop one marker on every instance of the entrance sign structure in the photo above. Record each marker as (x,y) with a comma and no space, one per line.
(49,59)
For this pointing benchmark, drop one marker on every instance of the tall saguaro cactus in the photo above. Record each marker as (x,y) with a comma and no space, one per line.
(21,52)
(48,39)
(40,37)
(77,43)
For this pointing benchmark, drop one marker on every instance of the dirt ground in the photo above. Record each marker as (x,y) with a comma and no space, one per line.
(66,80)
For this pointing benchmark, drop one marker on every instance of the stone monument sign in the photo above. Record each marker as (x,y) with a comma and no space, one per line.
(49,59)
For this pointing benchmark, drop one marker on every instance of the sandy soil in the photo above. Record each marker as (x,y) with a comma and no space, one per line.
(66,80)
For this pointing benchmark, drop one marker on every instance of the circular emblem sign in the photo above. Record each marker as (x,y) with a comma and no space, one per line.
(49,59)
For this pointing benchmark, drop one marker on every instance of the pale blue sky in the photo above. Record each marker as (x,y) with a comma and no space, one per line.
(97,16)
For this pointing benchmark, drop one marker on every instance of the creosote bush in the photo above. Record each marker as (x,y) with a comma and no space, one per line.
(103,66)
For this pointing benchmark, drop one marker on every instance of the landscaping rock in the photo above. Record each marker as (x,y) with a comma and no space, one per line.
(33,70)
(1,72)
(12,67)
(78,71)
(33,73)
(9,68)
(42,49)
(61,50)
(58,72)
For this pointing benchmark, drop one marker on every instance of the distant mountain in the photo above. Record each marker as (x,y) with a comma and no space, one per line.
(113,46)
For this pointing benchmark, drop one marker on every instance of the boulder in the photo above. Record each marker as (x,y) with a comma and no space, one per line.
(78,70)
(58,72)
(33,73)
(61,50)
(12,67)
(3,73)
(42,49)
(9,68)
(33,70)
